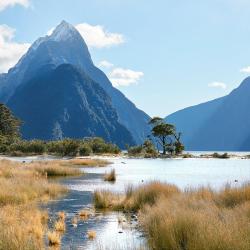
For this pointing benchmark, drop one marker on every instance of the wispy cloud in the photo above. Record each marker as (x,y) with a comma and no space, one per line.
(10,52)
(245,70)
(105,64)
(124,77)
(221,85)
(9,3)
(97,37)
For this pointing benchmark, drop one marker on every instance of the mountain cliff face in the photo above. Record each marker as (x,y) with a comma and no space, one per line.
(66,46)
(66,103)
(222,124)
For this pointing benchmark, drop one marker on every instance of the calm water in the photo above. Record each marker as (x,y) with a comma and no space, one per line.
(182,172)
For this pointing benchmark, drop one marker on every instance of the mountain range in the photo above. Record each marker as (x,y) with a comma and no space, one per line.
(57,91)
(218,125)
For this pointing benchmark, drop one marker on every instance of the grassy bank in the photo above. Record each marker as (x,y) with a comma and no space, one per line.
(22,185)
(192,219)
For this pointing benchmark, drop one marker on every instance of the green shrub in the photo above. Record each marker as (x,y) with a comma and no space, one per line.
(85,150)
(221,156)
(135,151)
(99,146)
(66,147)
(146,150)
(26,147)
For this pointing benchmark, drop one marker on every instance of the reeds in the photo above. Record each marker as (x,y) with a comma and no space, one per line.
(91,234)
(111,176)
(87,162)
(22,225)
(54,238)
(55,169)
(197,219)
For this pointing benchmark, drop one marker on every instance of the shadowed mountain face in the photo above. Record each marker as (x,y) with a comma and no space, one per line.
(66,46)
(64,102)
(222,124)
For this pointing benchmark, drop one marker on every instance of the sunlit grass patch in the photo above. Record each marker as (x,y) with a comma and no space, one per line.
(193,219)
(85,214)
(22,227)
(111,176)
(55,169)
(54,238)
(61,215)
(91,234)
(89,162)
(60,226)
(107,200)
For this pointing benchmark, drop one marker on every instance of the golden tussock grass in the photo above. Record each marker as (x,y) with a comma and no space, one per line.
(108,200)
(22,224)
(197,219)
(22,227)
(134,199)
(87,162)
(91,234)
(74,221)
(85,214)
(60,226)
(55,169)
(54,238)
(61,215)
(111,176)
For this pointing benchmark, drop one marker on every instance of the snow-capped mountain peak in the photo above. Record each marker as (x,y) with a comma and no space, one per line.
(63,31)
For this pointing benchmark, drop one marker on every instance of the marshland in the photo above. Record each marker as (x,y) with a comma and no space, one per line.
(195,203)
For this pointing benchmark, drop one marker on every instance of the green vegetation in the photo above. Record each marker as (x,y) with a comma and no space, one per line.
(65,147)
(146,150)
(11,143)
(221,156)
(9,128)
(194,219)
(166,136)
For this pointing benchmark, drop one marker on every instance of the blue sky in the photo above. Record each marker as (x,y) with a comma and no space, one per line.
(170,54)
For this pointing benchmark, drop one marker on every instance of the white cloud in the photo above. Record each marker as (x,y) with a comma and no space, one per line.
(105,64)
(245,70)
(124,77)
(221,85)
(98,37)
(9,3)
(10,52)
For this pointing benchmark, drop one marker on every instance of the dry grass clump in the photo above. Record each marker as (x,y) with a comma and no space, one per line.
(22,227)
(185,223)
(60,226)
(107,200)
(20,184)
(148,194)
(61,215)
(134,199)
(87,162)
(111,176)
(197,219)
(55,169)
(74,222)
(22,224)
(54,238)
(91,234)
(85,214)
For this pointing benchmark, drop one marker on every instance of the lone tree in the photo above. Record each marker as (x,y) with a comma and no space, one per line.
(167,136)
